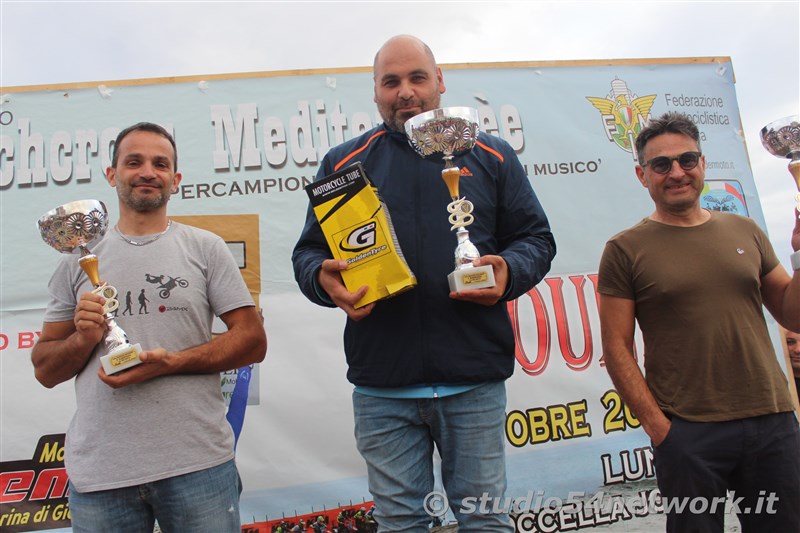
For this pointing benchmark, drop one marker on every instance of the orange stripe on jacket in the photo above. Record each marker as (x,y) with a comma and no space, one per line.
(355,153)
(349,156)
(497,154)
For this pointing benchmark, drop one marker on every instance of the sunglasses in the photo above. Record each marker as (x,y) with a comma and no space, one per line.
(663,164)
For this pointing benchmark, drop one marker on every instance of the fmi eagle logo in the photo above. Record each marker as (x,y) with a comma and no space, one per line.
(359,239)
(624,114)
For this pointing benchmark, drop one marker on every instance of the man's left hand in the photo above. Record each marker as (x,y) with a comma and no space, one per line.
(154,363)
(491,295)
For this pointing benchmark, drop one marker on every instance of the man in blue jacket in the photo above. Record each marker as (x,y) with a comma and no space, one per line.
(429,365)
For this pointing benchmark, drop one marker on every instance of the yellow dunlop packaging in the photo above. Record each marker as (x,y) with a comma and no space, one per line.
(358,229)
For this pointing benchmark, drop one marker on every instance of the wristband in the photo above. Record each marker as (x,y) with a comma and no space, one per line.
(795,257)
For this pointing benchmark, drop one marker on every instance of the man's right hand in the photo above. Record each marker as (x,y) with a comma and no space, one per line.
(64,348)
(660,430)
(330,279)
(90,322)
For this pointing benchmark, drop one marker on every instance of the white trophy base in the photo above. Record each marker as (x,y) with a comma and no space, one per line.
(471,278)
(121,358)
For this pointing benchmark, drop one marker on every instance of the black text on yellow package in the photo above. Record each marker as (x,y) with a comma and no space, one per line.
(359,230)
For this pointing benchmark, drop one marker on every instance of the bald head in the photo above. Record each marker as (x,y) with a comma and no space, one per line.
(407,80)
(404,43)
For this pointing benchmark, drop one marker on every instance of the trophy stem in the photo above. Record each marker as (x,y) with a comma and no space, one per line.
(90,265)
(794,169)
(466,252)
(451,175)
(466,276)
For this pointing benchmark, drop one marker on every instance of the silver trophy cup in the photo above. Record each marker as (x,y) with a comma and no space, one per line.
(446,131)
(781,138)
(74,226)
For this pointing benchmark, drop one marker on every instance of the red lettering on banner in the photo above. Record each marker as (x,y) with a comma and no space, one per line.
(537,364)
(26,339)
(562,322)
(593,279)
(51,483)
(11,483)
(3,341)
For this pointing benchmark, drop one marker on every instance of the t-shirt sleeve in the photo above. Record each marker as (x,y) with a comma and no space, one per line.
(226,287)
(63,300)
(614,274)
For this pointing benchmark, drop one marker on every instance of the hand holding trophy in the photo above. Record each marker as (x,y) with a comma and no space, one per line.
(446,131)
(781,138)
(76,225)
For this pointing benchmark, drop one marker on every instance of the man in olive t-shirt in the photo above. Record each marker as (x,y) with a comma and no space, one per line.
(713,399)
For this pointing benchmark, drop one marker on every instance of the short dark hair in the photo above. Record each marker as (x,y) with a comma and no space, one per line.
(144,126)
(670,122)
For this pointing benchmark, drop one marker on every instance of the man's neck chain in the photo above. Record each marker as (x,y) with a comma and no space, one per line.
(151,240)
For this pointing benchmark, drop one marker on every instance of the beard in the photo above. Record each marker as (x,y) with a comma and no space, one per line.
(395,116)
(143,203)
(397,119)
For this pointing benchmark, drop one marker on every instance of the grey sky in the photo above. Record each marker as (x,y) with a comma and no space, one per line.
(61,42)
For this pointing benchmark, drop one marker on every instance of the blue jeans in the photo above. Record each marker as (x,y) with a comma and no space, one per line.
(396,438)
(206,501)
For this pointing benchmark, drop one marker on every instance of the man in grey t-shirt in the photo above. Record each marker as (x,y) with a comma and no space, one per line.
(151,442)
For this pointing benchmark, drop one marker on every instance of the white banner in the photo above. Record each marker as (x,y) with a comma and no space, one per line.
(246,146)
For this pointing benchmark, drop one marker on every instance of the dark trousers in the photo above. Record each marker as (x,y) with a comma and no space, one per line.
(757,459)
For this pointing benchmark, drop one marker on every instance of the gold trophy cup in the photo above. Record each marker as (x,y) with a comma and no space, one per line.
(76,225)
(446,131)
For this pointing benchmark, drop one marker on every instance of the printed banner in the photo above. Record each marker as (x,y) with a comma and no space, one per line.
(247,147)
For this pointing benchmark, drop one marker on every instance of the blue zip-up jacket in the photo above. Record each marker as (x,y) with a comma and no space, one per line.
(422,336)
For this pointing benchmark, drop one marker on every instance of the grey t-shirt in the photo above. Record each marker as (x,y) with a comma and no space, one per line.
(169,292)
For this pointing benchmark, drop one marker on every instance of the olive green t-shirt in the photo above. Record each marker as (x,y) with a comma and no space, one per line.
(708,355)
